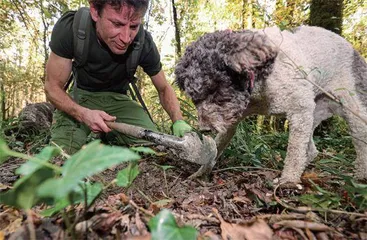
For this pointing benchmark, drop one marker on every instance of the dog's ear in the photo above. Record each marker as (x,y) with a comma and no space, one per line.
(246,50)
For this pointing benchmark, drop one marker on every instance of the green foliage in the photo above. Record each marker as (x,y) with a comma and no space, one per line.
(144,150)
(164,226)
(88,190)
(126,176)
(357,193)
(41,183)
(44,182)
(23,194)
(4,151)
(257,149)
(322,199)
(290,14)
(32,165)
(351,195)
(94,158)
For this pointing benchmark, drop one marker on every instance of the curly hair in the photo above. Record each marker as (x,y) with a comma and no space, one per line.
(140,6)
(224,59)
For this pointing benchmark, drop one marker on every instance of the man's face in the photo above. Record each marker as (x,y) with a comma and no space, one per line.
(116,28)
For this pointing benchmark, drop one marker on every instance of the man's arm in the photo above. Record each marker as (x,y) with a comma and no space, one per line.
(58,70)
(167,96)
(170,103)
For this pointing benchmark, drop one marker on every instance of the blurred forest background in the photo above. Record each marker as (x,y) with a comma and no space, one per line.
(25,28)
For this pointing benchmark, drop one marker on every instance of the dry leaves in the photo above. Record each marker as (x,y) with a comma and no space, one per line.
(254,230)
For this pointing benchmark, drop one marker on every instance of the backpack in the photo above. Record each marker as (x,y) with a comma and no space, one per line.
(81,34)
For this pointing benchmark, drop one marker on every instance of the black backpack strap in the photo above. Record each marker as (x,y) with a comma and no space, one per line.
(81,32)
(132,63)
(81,36)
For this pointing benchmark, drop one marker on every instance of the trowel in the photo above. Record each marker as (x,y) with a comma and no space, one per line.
(189,147)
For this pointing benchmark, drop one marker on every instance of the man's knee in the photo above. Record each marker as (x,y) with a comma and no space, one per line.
(69,140)
(68,134)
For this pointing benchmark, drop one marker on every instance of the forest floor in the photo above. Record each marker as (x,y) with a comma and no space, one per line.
(232,203)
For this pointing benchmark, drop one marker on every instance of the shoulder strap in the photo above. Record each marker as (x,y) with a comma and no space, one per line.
(81,32)
(132,61)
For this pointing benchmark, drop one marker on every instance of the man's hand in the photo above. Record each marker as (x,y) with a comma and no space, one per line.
(95,120)
(180,127)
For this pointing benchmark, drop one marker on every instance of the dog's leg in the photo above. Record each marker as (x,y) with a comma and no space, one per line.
(224,138)
(322,112)
(358,131)
(300,133)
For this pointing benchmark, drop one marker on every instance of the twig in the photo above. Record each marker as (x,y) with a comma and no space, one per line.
(145,196)
(244,168)
(201,217)
(140,208)
(313,209)
(32,232)
(36,160)
(299,224)
(6,211)
(63,153)
(174,182)
(68,224)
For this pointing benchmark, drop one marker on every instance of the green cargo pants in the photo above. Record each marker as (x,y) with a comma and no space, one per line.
(71,135)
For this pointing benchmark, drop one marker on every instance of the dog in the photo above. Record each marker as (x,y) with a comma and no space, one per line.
(307,74)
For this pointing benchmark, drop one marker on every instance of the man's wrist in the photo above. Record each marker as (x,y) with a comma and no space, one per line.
(80,112)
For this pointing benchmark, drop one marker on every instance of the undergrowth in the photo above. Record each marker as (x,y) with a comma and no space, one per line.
(329,178)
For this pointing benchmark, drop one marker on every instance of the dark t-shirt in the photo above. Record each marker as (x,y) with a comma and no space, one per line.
(103,71)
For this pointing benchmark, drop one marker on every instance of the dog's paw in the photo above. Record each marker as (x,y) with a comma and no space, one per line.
(286,188)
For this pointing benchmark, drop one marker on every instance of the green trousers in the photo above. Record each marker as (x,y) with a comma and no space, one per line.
(71,135)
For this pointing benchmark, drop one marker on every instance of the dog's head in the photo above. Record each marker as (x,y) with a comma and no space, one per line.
(217,72)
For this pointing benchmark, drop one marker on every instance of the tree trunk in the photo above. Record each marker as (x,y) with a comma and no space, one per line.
(44,39)
(3,103)
(250,10)
(243,14)
(327,14)
(177,29)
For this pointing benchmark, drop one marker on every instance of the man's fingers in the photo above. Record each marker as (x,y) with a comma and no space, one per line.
(108,117)
(105,128)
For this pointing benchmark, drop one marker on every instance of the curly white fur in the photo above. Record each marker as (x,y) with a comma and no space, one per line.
(292,71)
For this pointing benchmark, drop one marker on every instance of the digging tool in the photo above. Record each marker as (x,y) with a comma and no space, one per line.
(190,147)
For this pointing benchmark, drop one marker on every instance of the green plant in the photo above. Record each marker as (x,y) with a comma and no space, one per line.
(164,226)
(60,187)
(357,193)
(321,199)
(258,149)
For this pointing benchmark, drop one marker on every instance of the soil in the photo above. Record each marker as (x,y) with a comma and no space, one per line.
(223,205)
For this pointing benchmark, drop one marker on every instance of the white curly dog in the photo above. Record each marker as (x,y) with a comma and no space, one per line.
(307,74)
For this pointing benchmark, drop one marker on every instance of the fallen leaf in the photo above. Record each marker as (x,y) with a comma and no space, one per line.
(140,225)
(13,226)
(124,199)
(254,230)
(210,235)
(244,200)
(145,237)
(303,225)
(102,222)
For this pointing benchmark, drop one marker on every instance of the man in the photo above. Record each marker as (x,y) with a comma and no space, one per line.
(101,84)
